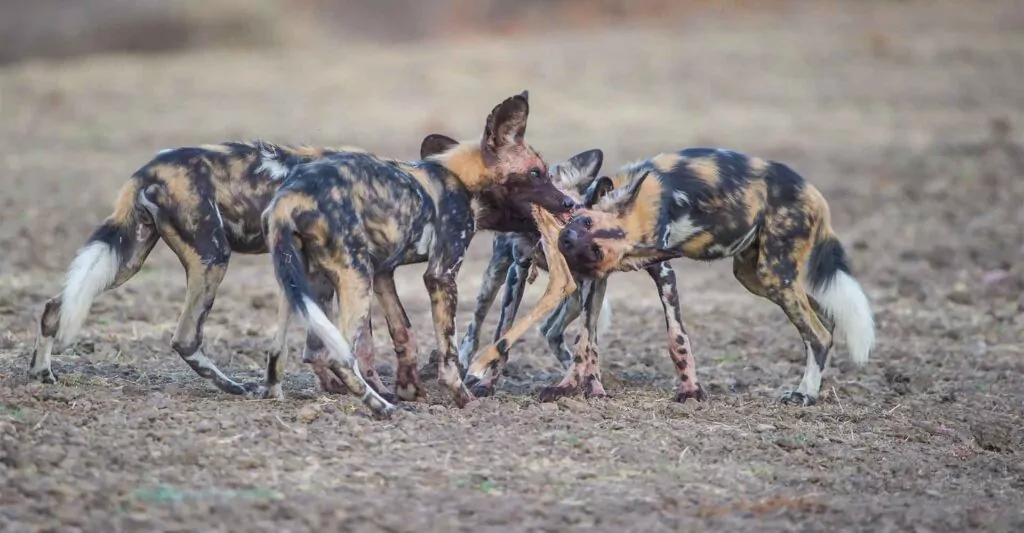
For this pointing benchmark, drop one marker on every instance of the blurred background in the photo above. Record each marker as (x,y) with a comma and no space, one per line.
(906,114)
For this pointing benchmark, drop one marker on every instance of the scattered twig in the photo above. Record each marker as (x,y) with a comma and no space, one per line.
(893,410)
(836,394)
(41,420)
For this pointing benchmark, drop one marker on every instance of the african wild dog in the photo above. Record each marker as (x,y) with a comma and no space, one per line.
(205,202)
(355,218)
(708,204)
(512,257)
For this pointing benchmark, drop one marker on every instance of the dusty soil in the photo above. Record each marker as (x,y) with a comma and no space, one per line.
(887,108)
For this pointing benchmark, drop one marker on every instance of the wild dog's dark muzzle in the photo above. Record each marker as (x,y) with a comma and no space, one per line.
(567,240)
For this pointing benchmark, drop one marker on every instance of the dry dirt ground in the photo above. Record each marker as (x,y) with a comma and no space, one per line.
(887,108)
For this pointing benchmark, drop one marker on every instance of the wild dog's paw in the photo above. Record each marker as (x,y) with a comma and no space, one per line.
(697,394)
(43,376)
(592,387)
(798,398)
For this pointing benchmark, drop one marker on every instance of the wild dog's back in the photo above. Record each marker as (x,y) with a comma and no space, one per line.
(387,205)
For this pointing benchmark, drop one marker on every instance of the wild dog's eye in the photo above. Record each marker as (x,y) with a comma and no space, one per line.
(596,248)
(587,222)
(535,173)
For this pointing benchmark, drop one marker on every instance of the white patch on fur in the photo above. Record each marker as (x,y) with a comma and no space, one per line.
(811,383)
(216,211)
(844,300)
(165,151)
(426,239)
(43,349)
(681,229)
(681,197)
(271,165)
(604,320)
(93,270)
(335,343)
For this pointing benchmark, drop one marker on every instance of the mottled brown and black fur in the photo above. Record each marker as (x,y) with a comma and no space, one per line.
(355,218)
(709,204)
(205,202)
(512,257)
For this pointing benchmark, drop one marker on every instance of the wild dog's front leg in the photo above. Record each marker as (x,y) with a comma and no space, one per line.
(407,379)
(501,260)
(585,372)
(678,341)
(444,296)
(485,369)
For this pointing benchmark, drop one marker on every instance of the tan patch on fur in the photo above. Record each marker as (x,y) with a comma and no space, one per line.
(218,148)
(753,197)
(466,161)
(706,169)
(666,162)
(124,206)
(696,245)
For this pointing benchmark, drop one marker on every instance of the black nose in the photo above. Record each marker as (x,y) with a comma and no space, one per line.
(568,203)
(566,239)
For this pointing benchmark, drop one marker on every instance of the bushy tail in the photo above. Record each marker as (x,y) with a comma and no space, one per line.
(291,275)
(841,296)
(96,264)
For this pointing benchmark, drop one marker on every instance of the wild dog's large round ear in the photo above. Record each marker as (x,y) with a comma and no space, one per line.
(434,144)
(588,164)
(632,192)
(507,123)
(598,188)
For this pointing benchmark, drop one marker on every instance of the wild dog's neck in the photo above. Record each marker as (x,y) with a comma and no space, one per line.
(466,162)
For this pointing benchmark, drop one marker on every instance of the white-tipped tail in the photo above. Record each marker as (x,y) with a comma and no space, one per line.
(93,270)
(604,320)
(321,325)
(844,300)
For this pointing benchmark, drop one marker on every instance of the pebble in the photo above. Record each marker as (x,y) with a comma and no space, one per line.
(548,406)
(763,428)
(308,414)
(573,405)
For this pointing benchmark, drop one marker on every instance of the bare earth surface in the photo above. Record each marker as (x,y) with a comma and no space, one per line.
(886,109)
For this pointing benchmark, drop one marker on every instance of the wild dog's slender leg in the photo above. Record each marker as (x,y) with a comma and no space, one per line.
(314,352)
(817,341)
(485,369)
(92,265)
(783,251)
(407,380)
(501,260)
(515,286)
(201,244)
(443,291)
(554,326)
(585,372)
(355,294)
(678,340)
(277,357)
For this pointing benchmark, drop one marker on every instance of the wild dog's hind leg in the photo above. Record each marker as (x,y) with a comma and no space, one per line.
(407,380)
(779,279)
(678,340)
(355,293)
(277,357)
(114,253)
(314,353)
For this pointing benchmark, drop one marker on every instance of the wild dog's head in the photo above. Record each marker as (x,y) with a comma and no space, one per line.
(504,172)
(611,232)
